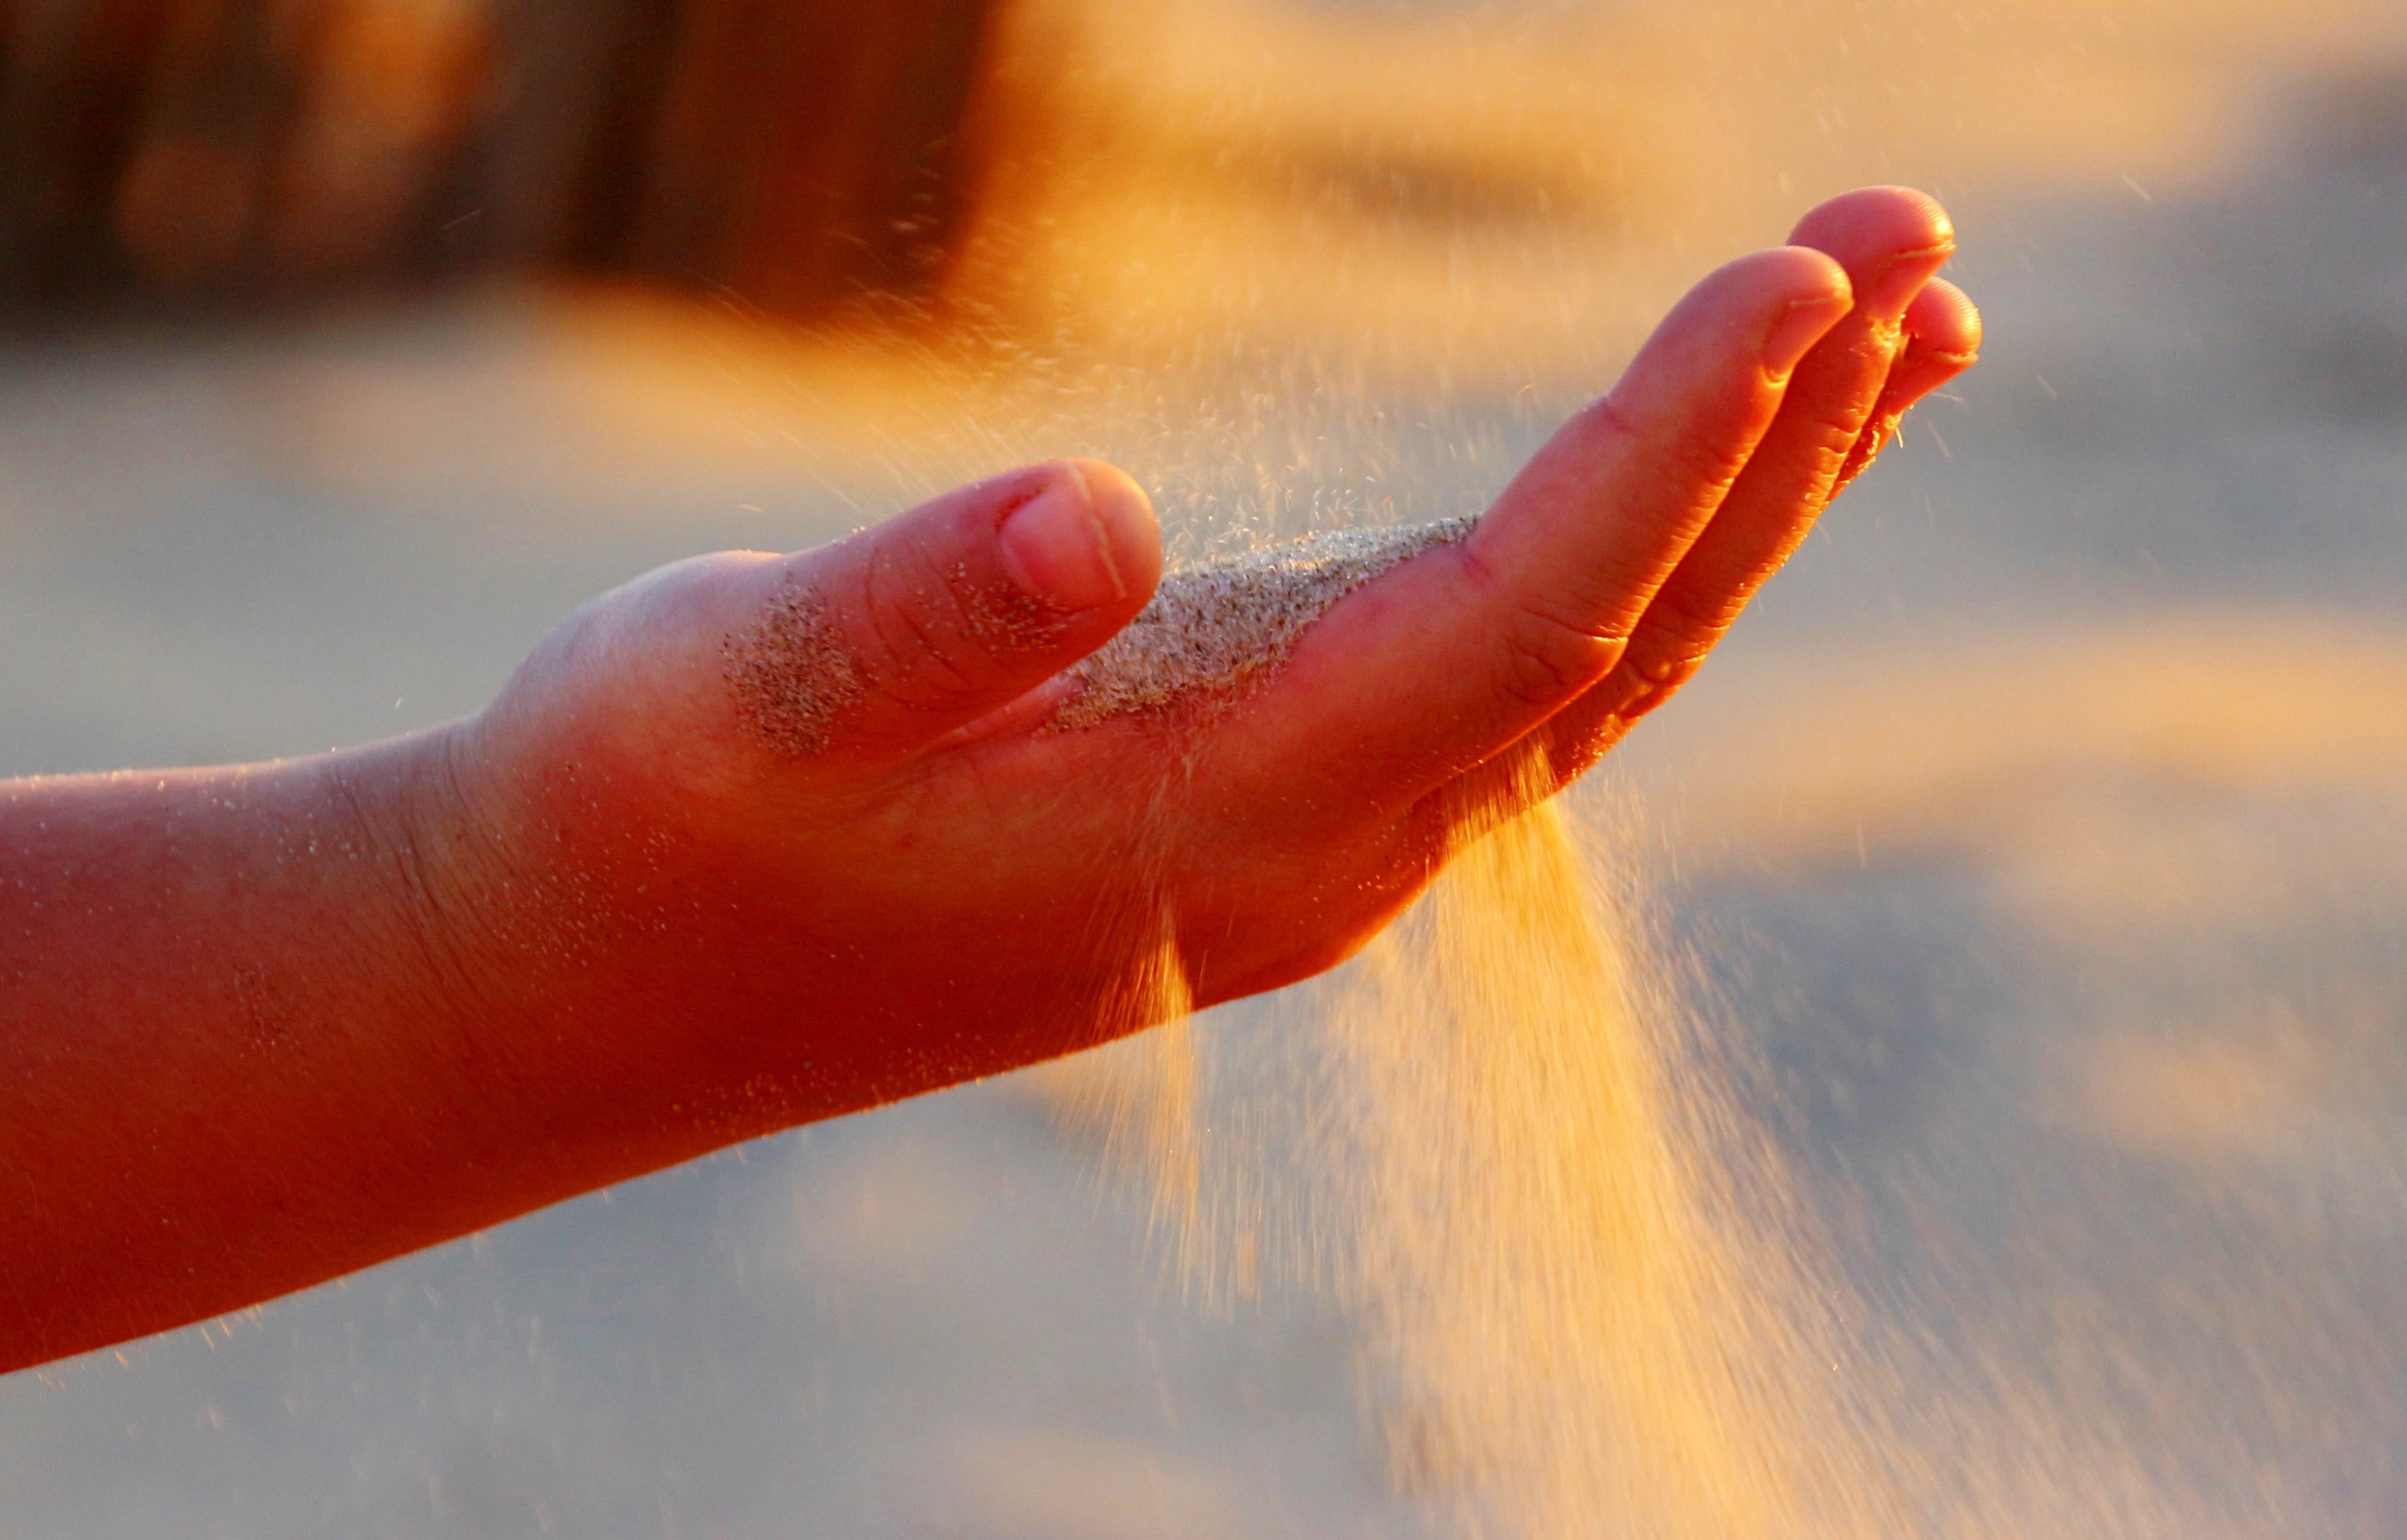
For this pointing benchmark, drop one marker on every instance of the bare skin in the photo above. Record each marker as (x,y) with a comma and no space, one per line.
(762,839)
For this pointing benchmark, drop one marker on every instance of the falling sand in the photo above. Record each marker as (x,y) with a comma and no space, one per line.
(1568,1254)
(1589,1303)
(1579,1324)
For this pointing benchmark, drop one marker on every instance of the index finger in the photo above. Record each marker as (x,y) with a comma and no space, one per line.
(1460,651)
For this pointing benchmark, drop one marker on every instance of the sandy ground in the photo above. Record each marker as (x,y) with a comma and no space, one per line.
(2046,830)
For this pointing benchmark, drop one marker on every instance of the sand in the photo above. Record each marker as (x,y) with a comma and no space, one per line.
(791,673)
(1217,631)
(1213,635)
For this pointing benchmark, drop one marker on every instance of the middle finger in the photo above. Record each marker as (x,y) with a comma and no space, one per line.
(1891,242)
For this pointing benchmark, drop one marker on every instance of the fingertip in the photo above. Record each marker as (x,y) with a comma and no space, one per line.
(1132,531)
(1785,276)
(1944,320)
(1818,296)
(1769,299)
(1899,219)
(1080,535)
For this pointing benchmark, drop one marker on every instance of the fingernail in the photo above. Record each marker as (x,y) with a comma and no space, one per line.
(1056,547)
(1903,279)
(1799,326)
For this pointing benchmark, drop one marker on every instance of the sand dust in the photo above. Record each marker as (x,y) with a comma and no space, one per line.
(791,673)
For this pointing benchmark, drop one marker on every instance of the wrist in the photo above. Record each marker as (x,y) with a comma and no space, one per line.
(548,901)
(427,833)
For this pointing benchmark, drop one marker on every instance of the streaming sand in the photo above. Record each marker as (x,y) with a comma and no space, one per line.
(1510,1144)
(1587,1319)
(1590,1302)
(1585,1312)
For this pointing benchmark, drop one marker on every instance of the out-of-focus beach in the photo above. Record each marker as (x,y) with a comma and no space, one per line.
(2043,829)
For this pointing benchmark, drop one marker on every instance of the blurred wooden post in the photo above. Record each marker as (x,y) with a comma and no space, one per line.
(803,155)
(807,151)
(75,81)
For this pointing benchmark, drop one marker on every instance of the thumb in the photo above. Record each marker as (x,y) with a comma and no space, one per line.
(885,641)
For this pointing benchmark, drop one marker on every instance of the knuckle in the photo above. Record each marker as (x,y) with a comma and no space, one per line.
(1705,460)
(1606,417)
(908,652)
(1867,447)
(1704,463)
(1549,660)
(1651,686)
(1834,438)
(1812,452)
(1690,622)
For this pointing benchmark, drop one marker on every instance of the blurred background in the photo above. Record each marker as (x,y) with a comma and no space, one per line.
(2044,831)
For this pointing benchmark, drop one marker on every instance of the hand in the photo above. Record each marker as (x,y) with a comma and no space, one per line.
(801,816)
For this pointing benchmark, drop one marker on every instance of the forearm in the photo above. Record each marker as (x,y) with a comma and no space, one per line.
(242,1045)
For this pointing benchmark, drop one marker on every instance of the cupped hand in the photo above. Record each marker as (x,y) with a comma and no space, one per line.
(762,839)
